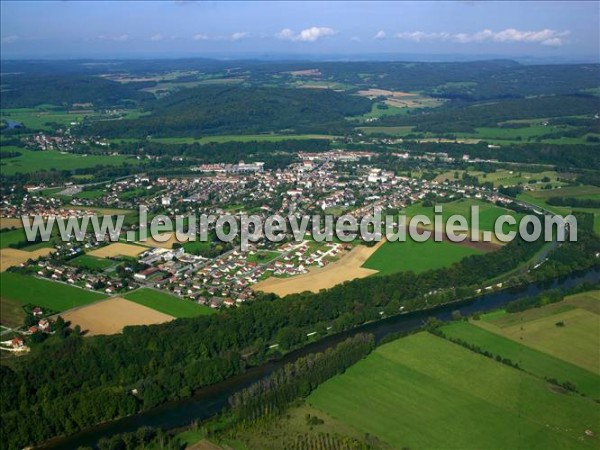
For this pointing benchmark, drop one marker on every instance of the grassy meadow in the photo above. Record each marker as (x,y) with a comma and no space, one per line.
(91,262)
(33,161)
(488,212)
(494,135)
(533,361)
(42,118)
(240,138)
(575,341)
(168,304)
(425,392)
(25,289)
(394,257)
(15,236)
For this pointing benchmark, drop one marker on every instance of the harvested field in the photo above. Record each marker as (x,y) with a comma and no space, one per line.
(172,239)
(10,222)
(346,269)
(112,315)
(401,99)
(10,257)
(576,342)
(117,249)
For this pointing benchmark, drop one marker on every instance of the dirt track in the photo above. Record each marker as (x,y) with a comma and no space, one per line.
(112,315)
(345,269)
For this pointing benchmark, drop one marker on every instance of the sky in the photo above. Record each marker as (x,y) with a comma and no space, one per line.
(471,29)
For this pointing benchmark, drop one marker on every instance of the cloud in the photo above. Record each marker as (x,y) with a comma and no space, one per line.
(419,36)
(239,35)
(11,39)
(201,37)
(510,35)
(379,35)
(119,38)
(355,39)
(307,35)
(157,37)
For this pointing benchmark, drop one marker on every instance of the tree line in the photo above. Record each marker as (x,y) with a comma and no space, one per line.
(68,383)
(273,394)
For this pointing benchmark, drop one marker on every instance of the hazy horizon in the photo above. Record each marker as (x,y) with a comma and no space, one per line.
(537,31)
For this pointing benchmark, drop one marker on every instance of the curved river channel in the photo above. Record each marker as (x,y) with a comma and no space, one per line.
(211,400)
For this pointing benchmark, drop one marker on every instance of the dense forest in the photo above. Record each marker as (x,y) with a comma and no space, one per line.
(245,110)
(70,382)
(477,80)
(27,91)
(463,117)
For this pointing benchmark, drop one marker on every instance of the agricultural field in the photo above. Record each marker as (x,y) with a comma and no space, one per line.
(293,430)
(505,177)
(12,314)
(580,192)
(539,198)
(33,161)
(26,289)
(11,237)
(10,257)
(394,257)
(168,304)
(402,100)
(169,240)
(348,267)
(10,222)
(493,135)
(533,361)
(91,195)
(42,118)
(117,249)
(91,262)
(112,315)
(575,341)
(240,138)
(488,212)
(425,392)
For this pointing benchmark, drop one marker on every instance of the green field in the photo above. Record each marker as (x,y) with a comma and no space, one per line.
(26,289)
(91,262)
(39,118)
(91,195)
(425,392)
(15,236)
(533,361)
(488,212)
(168,304)
(394,257)
(494,135)
(12,313)
(576,342)
(505,177)
(240,138)
(262,256)
(582,192)
(33,161)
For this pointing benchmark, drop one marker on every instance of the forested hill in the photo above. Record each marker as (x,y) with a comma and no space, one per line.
(220,110)
(27,90)
(466,116)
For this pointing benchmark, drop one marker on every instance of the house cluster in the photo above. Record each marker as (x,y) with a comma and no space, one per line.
(240,167)
(58,270)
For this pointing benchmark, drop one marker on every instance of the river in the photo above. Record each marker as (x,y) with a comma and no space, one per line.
(211,400)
